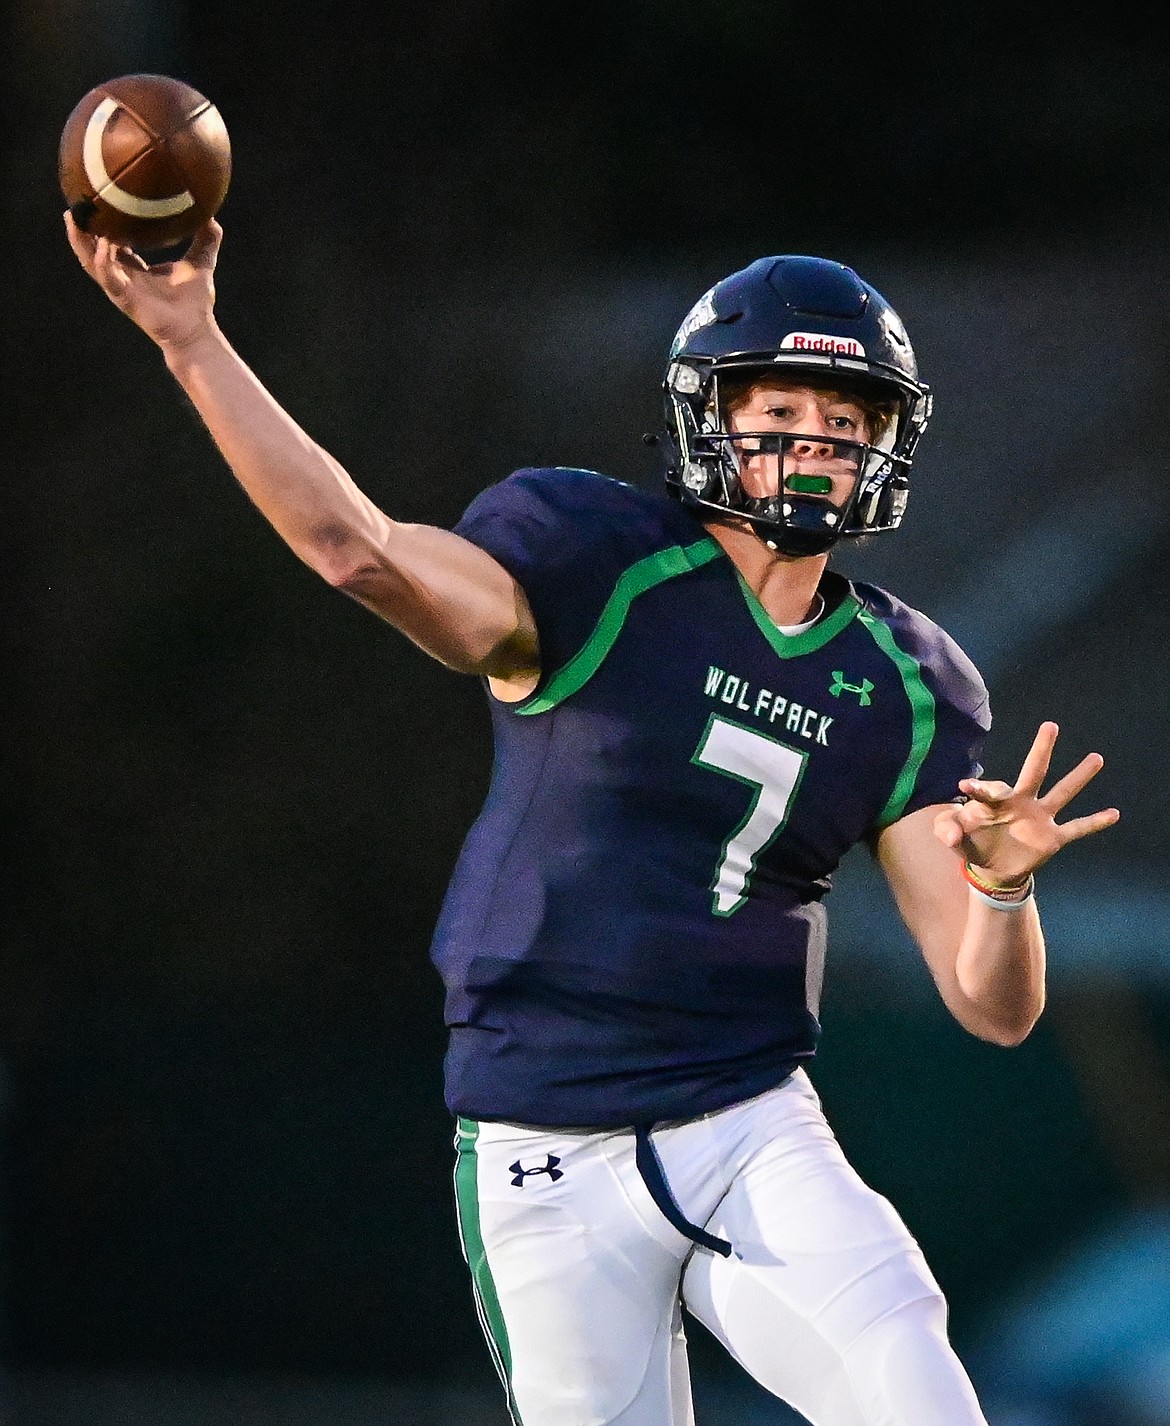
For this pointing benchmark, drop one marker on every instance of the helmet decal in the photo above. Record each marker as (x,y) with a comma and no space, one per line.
(819,342)
(702,314)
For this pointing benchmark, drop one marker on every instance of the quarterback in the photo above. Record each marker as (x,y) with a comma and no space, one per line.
(695,719)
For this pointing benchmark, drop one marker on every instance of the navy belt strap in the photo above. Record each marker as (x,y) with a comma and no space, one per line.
(649,1166)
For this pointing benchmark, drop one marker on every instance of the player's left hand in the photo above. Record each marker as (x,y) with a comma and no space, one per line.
(1006,832)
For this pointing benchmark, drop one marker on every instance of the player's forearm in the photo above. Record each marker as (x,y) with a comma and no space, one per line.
(1000,970)
(299,488)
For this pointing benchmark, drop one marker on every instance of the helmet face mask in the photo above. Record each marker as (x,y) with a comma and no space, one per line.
(811,322)
(808,510)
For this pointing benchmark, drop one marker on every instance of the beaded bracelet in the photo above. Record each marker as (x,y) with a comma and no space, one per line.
(1003,898)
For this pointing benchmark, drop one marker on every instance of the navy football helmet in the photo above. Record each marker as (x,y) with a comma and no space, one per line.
(816,321)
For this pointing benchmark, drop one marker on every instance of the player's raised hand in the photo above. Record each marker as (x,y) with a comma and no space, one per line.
(172,301)
(1008,831)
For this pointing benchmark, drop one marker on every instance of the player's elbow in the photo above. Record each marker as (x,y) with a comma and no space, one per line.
(334,552)
(1008,1031)
(1005,1019)
(350,573)
(350,561)
(1006,1038)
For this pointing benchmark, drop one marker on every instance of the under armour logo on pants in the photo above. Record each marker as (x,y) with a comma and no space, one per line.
(549,1168)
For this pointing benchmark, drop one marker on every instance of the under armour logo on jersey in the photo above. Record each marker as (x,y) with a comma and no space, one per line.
(862,689)
(549,1168)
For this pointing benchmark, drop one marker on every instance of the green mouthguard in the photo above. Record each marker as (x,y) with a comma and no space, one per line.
(809,485)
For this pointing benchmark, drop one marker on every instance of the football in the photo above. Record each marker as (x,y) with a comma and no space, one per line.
(145,161)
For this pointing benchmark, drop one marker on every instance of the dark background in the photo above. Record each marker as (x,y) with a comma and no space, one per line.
(458,240)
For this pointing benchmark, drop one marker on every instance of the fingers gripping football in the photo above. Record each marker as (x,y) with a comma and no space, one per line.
(1009,830)
(171,301)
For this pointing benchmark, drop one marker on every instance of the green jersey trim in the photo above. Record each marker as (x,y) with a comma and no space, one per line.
(487,1300)
(921,702)
(637,579)
(790,646)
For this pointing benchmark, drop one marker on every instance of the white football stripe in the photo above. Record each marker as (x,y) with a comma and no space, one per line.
(107,189)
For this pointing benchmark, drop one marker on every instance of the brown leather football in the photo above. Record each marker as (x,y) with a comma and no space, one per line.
(145,161)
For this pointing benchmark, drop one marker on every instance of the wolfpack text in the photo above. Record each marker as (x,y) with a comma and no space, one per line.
(769,707)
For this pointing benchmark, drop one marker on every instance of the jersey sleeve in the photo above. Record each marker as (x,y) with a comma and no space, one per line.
(566,536)
(958,721)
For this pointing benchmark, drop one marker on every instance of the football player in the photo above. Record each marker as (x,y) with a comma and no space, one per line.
(695,719)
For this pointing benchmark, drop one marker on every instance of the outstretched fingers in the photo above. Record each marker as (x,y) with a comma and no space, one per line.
(1061,793)
(1078,827)
(1035,766)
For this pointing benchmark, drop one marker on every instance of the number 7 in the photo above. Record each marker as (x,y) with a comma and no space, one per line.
(774,771)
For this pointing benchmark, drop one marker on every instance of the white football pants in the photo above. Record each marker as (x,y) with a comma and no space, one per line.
(827,1300)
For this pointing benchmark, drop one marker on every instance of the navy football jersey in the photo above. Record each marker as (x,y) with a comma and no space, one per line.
(634,931)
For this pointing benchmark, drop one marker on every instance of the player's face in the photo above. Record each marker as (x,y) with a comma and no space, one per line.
(810,463)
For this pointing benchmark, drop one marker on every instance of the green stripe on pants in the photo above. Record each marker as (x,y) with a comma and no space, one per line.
(487,1302)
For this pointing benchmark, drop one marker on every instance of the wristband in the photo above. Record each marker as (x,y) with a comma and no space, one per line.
(997,903)
(1003,898)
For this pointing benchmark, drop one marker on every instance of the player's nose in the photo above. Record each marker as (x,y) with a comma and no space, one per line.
(811,443)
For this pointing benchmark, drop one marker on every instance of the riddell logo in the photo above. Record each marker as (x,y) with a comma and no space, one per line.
(818,342)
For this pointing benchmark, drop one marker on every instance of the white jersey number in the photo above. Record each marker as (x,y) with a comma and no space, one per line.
(774,772)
